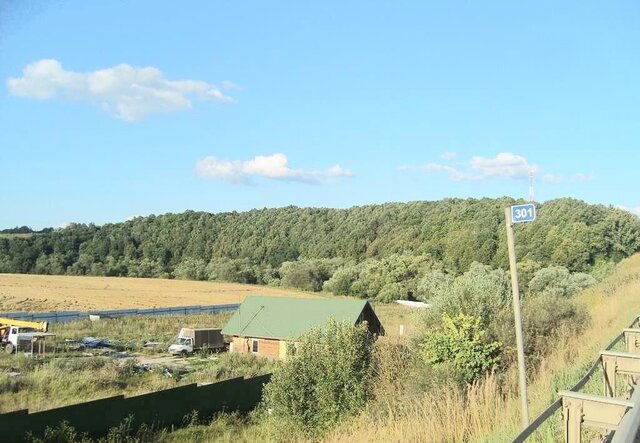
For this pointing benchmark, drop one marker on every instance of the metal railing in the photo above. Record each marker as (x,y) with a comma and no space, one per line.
(630,424)
(618,417)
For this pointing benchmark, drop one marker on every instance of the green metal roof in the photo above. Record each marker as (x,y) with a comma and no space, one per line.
(288,318)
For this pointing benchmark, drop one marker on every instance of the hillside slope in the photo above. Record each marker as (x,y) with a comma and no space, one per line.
(487,412)
(453,232)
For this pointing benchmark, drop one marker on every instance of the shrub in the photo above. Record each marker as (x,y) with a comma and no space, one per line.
(545,320)
(63,433)
(327,379)
(462,343)
(479,292)
(558,281)
(434,284)
(391,292)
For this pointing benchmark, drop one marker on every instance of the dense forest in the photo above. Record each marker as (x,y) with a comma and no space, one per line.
(365,248)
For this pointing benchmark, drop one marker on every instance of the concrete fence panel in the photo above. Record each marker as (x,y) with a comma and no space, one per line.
(162,408)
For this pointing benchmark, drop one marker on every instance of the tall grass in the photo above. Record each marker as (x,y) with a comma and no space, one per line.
(446,414)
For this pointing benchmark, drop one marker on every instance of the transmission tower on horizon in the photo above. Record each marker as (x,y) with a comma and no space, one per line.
(532,197)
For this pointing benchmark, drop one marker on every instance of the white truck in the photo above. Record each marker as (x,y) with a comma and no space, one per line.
(12,332)
(191,340)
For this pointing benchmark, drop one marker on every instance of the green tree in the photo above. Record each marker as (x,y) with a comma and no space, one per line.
(435,284)
(391,292)
(342,280)
(328,378)
(308,275)
(385,244)
(191,269)
(479,292)
(461,342)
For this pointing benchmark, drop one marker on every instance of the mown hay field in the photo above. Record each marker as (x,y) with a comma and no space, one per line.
(23,292)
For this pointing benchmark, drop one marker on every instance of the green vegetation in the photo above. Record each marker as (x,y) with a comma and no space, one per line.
(557,281)
(326,380)
(378,251)
(462,345)
(72,375)
(454,376)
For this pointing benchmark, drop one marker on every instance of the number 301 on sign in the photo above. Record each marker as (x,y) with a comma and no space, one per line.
(523,213)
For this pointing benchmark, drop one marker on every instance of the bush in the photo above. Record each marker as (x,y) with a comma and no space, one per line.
(545,320)
(434,284)
(327,379)
(391,292)
(479,292)
(558,281)
(461,343)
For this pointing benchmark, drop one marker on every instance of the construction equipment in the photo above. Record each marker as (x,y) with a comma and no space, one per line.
(191,340)
(12,331)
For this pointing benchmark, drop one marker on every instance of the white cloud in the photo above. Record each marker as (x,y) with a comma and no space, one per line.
(504,164)
(448,155)
(273,167)
(126,92)
(454,174)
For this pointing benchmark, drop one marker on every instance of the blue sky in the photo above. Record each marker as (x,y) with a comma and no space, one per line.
(110,110)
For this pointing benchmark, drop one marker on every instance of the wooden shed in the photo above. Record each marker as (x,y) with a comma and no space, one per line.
(266,325)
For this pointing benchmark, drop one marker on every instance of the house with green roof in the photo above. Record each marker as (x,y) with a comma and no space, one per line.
(266,325)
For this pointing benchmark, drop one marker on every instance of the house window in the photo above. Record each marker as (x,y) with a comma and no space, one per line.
(254,346)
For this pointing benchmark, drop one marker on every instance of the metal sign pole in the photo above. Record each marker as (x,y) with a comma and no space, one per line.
(522,377)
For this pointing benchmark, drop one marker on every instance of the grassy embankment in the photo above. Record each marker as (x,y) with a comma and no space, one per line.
(491,413)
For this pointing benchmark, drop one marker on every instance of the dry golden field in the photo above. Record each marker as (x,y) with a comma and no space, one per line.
(21,292)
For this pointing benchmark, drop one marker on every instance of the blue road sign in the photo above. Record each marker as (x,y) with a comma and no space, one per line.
(523,213)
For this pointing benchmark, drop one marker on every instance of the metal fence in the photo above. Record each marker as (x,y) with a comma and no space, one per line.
(68,316)
(618,417)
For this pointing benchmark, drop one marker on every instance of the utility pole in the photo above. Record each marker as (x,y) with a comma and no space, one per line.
(518,214)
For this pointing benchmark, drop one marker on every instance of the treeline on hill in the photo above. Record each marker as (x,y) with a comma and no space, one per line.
(378,251)
(24,230)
